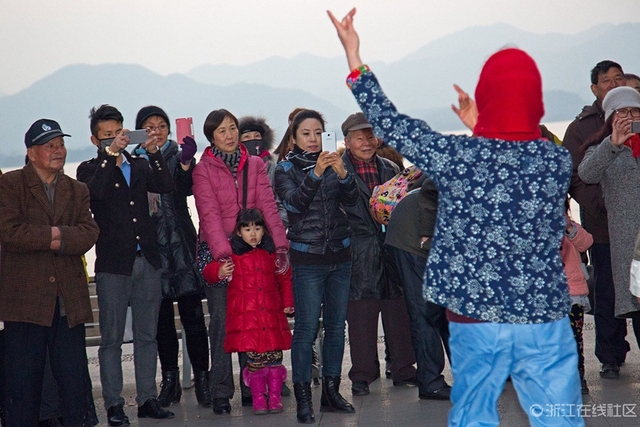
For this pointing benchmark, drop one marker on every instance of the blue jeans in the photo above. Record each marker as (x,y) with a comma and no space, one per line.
(316,286)
(541,359)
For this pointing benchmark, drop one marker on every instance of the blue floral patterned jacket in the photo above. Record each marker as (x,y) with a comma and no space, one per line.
(496,251)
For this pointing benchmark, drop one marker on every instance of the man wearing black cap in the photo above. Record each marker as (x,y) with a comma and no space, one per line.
(45,228)
(128,264)
(373,290)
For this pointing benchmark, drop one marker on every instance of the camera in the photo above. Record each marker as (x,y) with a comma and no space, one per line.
(635,127)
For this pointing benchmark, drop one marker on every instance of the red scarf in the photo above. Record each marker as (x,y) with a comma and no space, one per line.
(634,144)
(509,97)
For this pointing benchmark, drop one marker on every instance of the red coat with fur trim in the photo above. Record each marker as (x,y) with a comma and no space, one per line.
(256,299)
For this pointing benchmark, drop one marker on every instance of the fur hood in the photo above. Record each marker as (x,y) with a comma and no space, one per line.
(248,122)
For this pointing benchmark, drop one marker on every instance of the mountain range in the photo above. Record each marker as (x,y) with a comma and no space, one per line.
(420,84)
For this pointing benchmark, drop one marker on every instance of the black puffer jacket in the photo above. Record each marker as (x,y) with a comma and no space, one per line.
(370,278)
(176,234)
(317,221)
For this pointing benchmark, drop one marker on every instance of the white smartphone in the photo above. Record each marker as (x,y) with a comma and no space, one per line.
(329,142)
(136,137)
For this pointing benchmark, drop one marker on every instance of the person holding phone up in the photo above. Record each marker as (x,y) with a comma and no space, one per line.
(314,187)
(181,280)
(128,263)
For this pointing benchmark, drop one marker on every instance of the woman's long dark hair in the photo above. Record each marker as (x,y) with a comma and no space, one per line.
(604,132)
(285,144)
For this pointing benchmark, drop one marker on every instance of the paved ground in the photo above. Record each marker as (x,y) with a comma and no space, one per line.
(389,406)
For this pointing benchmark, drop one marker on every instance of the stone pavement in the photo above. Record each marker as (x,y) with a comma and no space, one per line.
(389,406)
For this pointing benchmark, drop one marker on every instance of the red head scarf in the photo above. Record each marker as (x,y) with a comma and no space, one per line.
(509,97)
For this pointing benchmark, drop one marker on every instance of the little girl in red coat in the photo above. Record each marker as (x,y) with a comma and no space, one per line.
(258,300)
(576,240)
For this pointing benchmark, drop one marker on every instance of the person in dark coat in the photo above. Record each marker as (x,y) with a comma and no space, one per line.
(128,262)
(45,229)
(374,289)
(408,240)
(611,346)
(314,187)
(181,280)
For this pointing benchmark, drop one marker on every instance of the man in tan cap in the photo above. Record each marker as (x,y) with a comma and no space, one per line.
(373,290)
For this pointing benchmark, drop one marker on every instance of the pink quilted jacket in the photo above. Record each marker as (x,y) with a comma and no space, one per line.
(218,199)
(570,252)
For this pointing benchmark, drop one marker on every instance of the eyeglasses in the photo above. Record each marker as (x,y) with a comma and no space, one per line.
(634,112)
(161,128)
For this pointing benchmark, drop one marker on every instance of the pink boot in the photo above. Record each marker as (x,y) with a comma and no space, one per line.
(257,382)
(277,375)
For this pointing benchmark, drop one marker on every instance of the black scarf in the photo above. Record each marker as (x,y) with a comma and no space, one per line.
(302,159)
(240,247)
(231,160)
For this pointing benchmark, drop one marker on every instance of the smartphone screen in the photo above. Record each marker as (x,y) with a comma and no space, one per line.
(329,142)
(136,137)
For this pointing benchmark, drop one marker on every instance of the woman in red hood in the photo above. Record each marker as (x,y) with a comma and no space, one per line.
(495,258)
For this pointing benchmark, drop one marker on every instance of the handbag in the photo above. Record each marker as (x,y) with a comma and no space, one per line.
(386,196)
(203,253)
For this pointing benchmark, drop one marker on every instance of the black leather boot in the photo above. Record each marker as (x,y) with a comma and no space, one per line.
(304,407)
(201,384)
(332,400)
(170,390)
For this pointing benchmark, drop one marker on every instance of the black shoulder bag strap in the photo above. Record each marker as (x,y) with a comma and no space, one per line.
(245,183)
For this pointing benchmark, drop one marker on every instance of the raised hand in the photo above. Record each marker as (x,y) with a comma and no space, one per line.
(621,130)
(348,37)
(119,143)
(324,161)
(151,145)
(189,149)
(338,166)
(467,110)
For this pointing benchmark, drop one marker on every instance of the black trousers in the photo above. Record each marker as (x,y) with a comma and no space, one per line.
(429,325)
(611,345)
(362,319)
(192,319)
(26,346)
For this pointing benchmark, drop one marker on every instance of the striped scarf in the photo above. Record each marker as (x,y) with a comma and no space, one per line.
(231,160)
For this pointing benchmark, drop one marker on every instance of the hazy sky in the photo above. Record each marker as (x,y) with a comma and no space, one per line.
(37,37)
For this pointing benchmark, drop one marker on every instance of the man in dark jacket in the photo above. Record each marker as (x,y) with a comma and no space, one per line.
(408,240)
(45,228)
(128,265)
(373,290)
(611,346)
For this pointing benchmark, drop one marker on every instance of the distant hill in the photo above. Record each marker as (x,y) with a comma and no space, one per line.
(420,84)
(424,79)
(68,95)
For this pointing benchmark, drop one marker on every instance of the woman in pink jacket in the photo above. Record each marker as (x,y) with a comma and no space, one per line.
(220,179)
(576,240)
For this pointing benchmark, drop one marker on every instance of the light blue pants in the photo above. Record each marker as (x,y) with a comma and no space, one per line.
(542,361)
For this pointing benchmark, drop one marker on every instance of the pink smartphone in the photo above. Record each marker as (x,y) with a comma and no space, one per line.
(184,127)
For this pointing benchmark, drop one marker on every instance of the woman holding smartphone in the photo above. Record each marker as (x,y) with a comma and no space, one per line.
(181,281)
(612,159)
(225,179)
(313,185)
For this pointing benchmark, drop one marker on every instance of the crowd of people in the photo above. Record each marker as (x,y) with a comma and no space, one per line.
(479,263)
